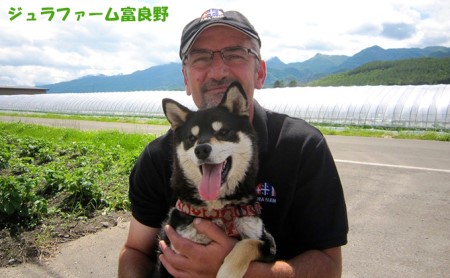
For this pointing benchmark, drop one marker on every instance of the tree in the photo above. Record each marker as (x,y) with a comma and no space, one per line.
(278,84)
(293,83)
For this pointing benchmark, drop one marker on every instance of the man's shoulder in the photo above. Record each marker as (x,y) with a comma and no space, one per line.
(288,126)
(281,130)
(278,121)
(160,145)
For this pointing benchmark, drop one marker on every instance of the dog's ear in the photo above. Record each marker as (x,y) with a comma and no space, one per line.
(235,100)
(175,112)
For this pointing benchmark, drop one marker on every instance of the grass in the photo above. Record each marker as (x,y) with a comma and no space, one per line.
(128,141)
(88,169)
(386,133)
(53,179)
(134,120)
(397,133)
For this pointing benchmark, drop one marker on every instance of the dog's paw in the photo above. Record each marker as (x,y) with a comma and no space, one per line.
(238,260)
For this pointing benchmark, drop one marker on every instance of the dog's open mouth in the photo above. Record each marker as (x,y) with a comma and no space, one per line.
(213,176)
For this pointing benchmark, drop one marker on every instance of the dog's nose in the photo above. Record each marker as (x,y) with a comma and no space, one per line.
(202,151)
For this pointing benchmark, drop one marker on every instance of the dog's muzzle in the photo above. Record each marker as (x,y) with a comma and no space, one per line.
(203,151)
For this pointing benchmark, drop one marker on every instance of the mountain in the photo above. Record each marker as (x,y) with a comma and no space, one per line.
(416,71)
(169,77)
(275,63)
(308,70)
(376,53)
(164,77)
(324,65)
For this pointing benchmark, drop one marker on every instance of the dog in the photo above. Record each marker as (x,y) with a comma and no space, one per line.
(214,173)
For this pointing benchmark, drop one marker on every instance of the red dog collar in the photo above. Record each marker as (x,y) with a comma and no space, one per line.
(226,214)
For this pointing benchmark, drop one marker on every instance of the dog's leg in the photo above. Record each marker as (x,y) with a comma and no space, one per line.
(238,260)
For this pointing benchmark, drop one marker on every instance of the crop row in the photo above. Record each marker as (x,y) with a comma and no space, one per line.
(41,178)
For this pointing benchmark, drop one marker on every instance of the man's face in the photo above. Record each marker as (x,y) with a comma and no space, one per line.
(207,85)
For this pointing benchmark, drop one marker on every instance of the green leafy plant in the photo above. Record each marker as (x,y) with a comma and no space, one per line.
(46,172)
(19,203)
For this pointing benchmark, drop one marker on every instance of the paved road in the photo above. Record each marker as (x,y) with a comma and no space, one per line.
(89,125)
(398,202)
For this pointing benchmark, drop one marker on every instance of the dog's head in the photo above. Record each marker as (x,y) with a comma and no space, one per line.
(215,147)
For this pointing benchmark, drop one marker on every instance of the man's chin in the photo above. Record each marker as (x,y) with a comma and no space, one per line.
(212,100)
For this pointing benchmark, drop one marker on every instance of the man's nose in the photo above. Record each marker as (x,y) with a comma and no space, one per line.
(218,69)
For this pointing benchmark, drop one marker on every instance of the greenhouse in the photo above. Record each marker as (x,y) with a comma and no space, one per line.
(414,107)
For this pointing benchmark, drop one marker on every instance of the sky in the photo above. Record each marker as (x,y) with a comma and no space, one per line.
(43,51)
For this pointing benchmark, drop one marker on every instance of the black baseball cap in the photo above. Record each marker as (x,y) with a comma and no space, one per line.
(212,17)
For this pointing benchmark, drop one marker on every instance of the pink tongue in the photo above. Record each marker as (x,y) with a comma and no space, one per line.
(211,181)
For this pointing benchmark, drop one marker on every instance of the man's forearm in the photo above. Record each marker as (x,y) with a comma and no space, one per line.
(312,263)
(133,263)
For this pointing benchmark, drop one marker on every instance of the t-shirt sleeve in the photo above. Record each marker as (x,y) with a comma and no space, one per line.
(149,192)
(310,211)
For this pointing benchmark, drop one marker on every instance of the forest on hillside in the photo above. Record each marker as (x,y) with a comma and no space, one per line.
(420,71)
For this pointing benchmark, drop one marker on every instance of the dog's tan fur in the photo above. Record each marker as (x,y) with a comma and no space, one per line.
(237,262)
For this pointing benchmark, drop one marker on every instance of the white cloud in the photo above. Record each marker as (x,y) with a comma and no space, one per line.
(32,75)
(42,52)
(398,31)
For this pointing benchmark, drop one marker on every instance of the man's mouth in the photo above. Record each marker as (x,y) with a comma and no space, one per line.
(213,176)
(216,89)
(216,86)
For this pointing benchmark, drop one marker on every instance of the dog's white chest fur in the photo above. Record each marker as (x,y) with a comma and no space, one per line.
(247,227)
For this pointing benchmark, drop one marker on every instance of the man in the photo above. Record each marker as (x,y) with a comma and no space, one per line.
(298,185)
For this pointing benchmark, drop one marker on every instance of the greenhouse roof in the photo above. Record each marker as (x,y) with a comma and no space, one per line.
(425,106)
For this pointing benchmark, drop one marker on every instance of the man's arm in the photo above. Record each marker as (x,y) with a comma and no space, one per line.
(313,263)
(194,257)
(135,257)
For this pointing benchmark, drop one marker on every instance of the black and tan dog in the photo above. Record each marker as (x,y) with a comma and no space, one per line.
(214,171)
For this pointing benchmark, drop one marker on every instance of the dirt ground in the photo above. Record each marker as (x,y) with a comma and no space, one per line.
(43,243)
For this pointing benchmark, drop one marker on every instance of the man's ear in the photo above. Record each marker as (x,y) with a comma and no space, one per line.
(235,100)
(175,112)
(261,75)
(185,80)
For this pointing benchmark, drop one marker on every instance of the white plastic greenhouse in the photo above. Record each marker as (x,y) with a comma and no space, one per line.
(424,107)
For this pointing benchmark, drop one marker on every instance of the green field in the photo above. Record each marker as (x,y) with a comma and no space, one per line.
(53,171)
(53,180)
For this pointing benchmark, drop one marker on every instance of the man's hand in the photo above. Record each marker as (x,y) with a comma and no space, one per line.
(196,260)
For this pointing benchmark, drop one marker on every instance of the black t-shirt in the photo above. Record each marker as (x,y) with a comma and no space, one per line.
(298,186)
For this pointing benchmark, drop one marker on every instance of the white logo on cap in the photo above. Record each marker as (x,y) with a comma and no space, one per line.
(212,14)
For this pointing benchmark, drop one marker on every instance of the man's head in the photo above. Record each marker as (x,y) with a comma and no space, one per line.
(214,17)
(219,48)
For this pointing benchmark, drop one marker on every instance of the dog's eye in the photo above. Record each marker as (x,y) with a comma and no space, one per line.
(224,132)
(192,138)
